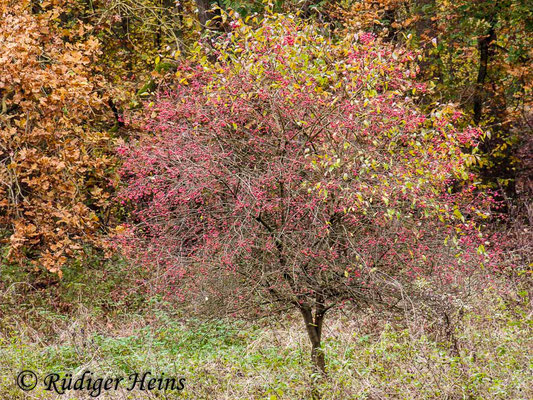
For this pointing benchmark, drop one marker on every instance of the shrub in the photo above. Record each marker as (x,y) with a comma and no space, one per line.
(298,172)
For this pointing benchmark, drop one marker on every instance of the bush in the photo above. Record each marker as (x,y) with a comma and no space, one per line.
(300,173)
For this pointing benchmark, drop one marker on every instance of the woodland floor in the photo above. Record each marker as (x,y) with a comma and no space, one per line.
(75,326)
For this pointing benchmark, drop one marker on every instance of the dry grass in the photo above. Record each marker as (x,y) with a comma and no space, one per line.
(367,359)
(77,325)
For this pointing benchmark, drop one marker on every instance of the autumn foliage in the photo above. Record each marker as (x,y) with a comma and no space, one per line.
(55,163)
(364,162)
(476,54)
(304,169)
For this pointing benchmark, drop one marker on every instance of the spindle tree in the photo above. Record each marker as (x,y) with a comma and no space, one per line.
(302,168)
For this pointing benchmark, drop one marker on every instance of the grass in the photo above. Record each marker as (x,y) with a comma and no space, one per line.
(78,325)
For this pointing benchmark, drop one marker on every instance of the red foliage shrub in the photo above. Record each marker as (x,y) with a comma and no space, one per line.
(303,169)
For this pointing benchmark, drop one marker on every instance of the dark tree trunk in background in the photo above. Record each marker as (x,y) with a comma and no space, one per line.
(424,25)
(174,16)
(484,46)
(426,29)
(203,6)
(205,15)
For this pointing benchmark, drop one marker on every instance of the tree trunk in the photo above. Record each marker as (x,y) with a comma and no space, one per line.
(314,331)
(484,44)
(317,356)
(426,29)
(205,15)
(424,25)
(174,15)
